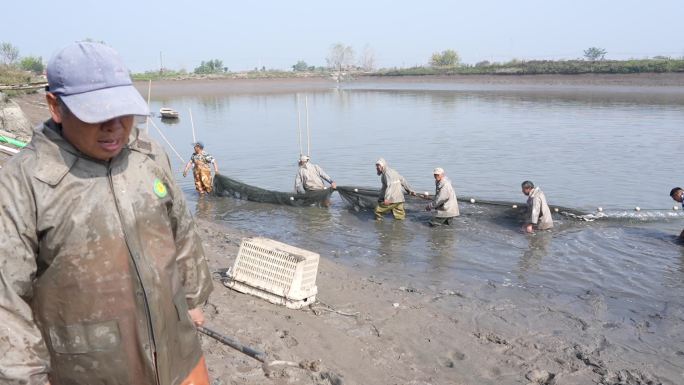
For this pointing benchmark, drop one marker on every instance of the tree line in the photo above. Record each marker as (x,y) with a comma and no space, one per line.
(11,59)
(344,58)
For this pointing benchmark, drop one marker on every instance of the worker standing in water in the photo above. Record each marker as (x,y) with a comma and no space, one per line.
(539,214)
(200,161)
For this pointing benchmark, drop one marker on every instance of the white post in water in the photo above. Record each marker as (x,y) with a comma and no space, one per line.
(149,92)
(299,127)
(308,132)
(192,124)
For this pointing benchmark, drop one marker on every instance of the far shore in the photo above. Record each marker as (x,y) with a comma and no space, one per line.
(643,83)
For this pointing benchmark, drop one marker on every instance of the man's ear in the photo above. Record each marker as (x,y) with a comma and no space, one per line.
(53,106)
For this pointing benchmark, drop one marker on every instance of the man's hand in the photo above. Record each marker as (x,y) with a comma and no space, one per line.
(528,228)
(386,202)
(185,173)
(412,193)
(333,185)
(197,316)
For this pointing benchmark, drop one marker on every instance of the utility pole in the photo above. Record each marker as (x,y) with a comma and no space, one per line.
(161,63)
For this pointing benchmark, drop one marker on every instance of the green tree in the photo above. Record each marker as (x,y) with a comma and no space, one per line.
(594,53)
(33,64)
(446,58)
(8,53)
(300,66)
(211,67)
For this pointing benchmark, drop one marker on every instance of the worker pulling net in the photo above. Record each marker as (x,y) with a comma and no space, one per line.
(227,187)
(365,198)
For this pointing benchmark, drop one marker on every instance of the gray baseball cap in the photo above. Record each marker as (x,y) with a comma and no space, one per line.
(94,83)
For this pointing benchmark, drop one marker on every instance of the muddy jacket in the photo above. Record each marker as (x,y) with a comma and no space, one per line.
(99,263)
(393,186)
(540,214)
(445,202)
(310,177)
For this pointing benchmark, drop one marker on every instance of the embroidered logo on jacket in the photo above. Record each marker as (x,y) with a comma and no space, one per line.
(160,188)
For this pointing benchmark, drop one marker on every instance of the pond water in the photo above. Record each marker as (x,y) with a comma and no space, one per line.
(587,147)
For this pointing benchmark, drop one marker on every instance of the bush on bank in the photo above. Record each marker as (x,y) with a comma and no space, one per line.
(550,67)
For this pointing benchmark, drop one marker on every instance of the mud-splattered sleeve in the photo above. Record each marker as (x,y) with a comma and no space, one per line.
(24,357)
(190,257)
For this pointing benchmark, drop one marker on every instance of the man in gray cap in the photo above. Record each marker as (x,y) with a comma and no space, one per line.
(538,209)
(311,176)
(444,202)
(102,272)
(391,196)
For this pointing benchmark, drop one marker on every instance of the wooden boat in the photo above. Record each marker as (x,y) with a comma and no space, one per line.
(168,113)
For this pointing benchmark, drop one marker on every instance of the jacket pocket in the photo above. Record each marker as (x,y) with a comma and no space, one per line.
(85,337)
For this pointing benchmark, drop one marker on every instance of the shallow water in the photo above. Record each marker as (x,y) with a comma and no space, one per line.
(612,147)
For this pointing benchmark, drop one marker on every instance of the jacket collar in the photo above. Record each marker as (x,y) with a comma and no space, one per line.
(57,156)
(534,192)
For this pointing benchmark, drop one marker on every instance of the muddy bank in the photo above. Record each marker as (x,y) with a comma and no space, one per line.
(649,83)
(375,330)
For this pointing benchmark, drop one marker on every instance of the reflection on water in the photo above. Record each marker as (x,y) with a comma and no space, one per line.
(586,149)
(531,258)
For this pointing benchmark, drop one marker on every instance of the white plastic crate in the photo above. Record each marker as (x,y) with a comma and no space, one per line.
(277,272)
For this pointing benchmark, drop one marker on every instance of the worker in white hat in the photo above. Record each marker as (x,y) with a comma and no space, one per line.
(444,202)
(311,176)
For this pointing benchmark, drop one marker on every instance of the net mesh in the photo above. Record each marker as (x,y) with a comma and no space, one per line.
(367,198)
(227,187)
(359,197)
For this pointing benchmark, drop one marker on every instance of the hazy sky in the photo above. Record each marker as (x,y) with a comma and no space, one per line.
(277,34)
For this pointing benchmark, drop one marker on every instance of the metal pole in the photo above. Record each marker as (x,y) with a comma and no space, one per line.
(299,127)
(192,124)
(257,355)
(149,92)
(308,132)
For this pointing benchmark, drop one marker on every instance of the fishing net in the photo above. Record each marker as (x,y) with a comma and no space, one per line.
(359,197)
(367,198)
(227,187)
